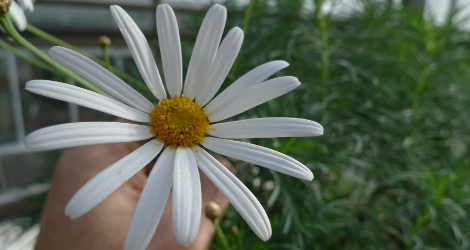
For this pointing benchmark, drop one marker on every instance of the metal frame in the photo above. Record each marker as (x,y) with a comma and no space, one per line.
(127,3)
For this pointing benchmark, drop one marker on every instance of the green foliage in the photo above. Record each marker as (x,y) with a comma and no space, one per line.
(392,92)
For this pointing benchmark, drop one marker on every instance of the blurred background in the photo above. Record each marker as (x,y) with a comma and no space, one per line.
(388,79)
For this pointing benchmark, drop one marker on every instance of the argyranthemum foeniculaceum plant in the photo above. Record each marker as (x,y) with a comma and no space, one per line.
(183,123)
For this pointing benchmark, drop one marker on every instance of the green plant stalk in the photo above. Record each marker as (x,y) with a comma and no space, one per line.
(106,59)
(325,55)
(439,187)
(246,21)
(8,26)
(220,235)
(419,89)
(322,22)
(48,37)
(420,222)
(417,96)
(26,57)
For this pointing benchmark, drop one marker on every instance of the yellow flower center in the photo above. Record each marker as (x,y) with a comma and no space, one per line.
(179,122)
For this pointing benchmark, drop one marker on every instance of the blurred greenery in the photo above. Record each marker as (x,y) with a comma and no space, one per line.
(392,91)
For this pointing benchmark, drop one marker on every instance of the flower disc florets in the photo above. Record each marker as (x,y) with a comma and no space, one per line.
(179,122)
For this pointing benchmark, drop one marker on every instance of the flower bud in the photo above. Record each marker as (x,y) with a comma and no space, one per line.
(213,210)
(103,41)
(4,6)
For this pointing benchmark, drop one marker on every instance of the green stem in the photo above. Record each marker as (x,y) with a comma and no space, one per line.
(220,235)
(8,26)
(246,17)
(246,21)
(322,22)
(48,37)
(26,57)
(420,222)
(417,96)
(106,59)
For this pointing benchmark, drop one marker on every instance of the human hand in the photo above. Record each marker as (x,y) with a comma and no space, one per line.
(105,226)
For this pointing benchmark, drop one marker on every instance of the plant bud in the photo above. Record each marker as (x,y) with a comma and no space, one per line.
(4,6)
(213,210)
(103,41)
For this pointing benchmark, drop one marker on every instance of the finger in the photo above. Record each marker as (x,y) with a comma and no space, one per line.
(105,225)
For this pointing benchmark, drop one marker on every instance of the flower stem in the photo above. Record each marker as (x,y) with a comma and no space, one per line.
(8,26)
(48,37)
(220,235)
(246,17)
(106,59)
(26,57)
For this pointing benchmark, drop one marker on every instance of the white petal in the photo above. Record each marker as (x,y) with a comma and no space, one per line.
(258,155)
(140,51)
(108,180)
(20,3)
(251,97)
(26,4)
(248,80)
(266,128)
(100,77)
(151,203)
(85,98)
(223,61)
(238,194)
(204,51)
(18,16)
(186,201)
(85,133)
(29,5)
(170,48)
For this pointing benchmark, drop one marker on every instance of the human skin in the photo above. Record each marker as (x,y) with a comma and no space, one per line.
(105,226)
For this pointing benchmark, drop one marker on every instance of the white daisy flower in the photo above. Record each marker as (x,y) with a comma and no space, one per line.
(17,12)
(179,125)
